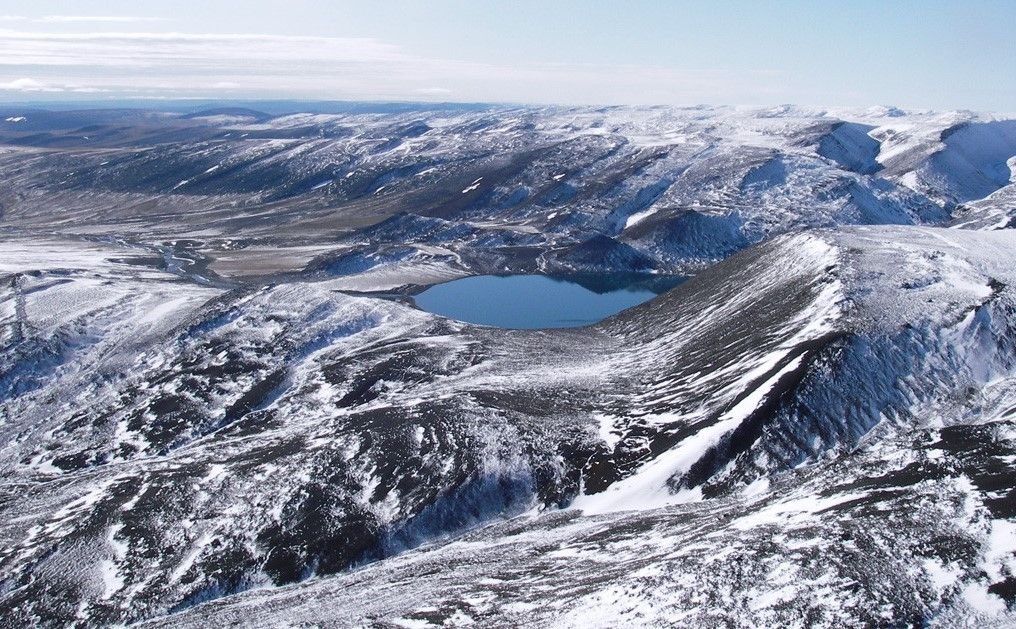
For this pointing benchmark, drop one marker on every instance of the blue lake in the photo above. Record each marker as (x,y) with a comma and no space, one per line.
(540,301)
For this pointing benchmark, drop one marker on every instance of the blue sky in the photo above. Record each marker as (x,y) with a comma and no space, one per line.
(941,55)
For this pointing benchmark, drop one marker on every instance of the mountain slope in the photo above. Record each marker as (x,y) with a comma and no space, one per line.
(167,443)
(515,188)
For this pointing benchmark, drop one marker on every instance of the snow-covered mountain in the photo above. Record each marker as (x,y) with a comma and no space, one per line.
(202,421)
(460,191)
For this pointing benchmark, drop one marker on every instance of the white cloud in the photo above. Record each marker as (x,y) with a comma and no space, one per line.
(28,85)
(82,19)
(143,64)
(97,18)
(32,85)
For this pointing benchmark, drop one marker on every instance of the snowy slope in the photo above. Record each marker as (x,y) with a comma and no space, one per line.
(522,189)
(813,549)
(180,443)
(204,419)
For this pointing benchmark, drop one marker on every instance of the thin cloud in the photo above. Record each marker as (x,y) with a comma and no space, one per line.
(29,85)
(134,64)
(57,19)
(32,85)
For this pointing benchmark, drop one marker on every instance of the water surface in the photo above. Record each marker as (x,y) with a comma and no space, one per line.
(541,301)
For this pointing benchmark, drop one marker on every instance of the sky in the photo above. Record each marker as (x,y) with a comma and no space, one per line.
(924,55)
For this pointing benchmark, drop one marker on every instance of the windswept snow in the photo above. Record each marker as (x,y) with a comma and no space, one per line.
(206,417)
